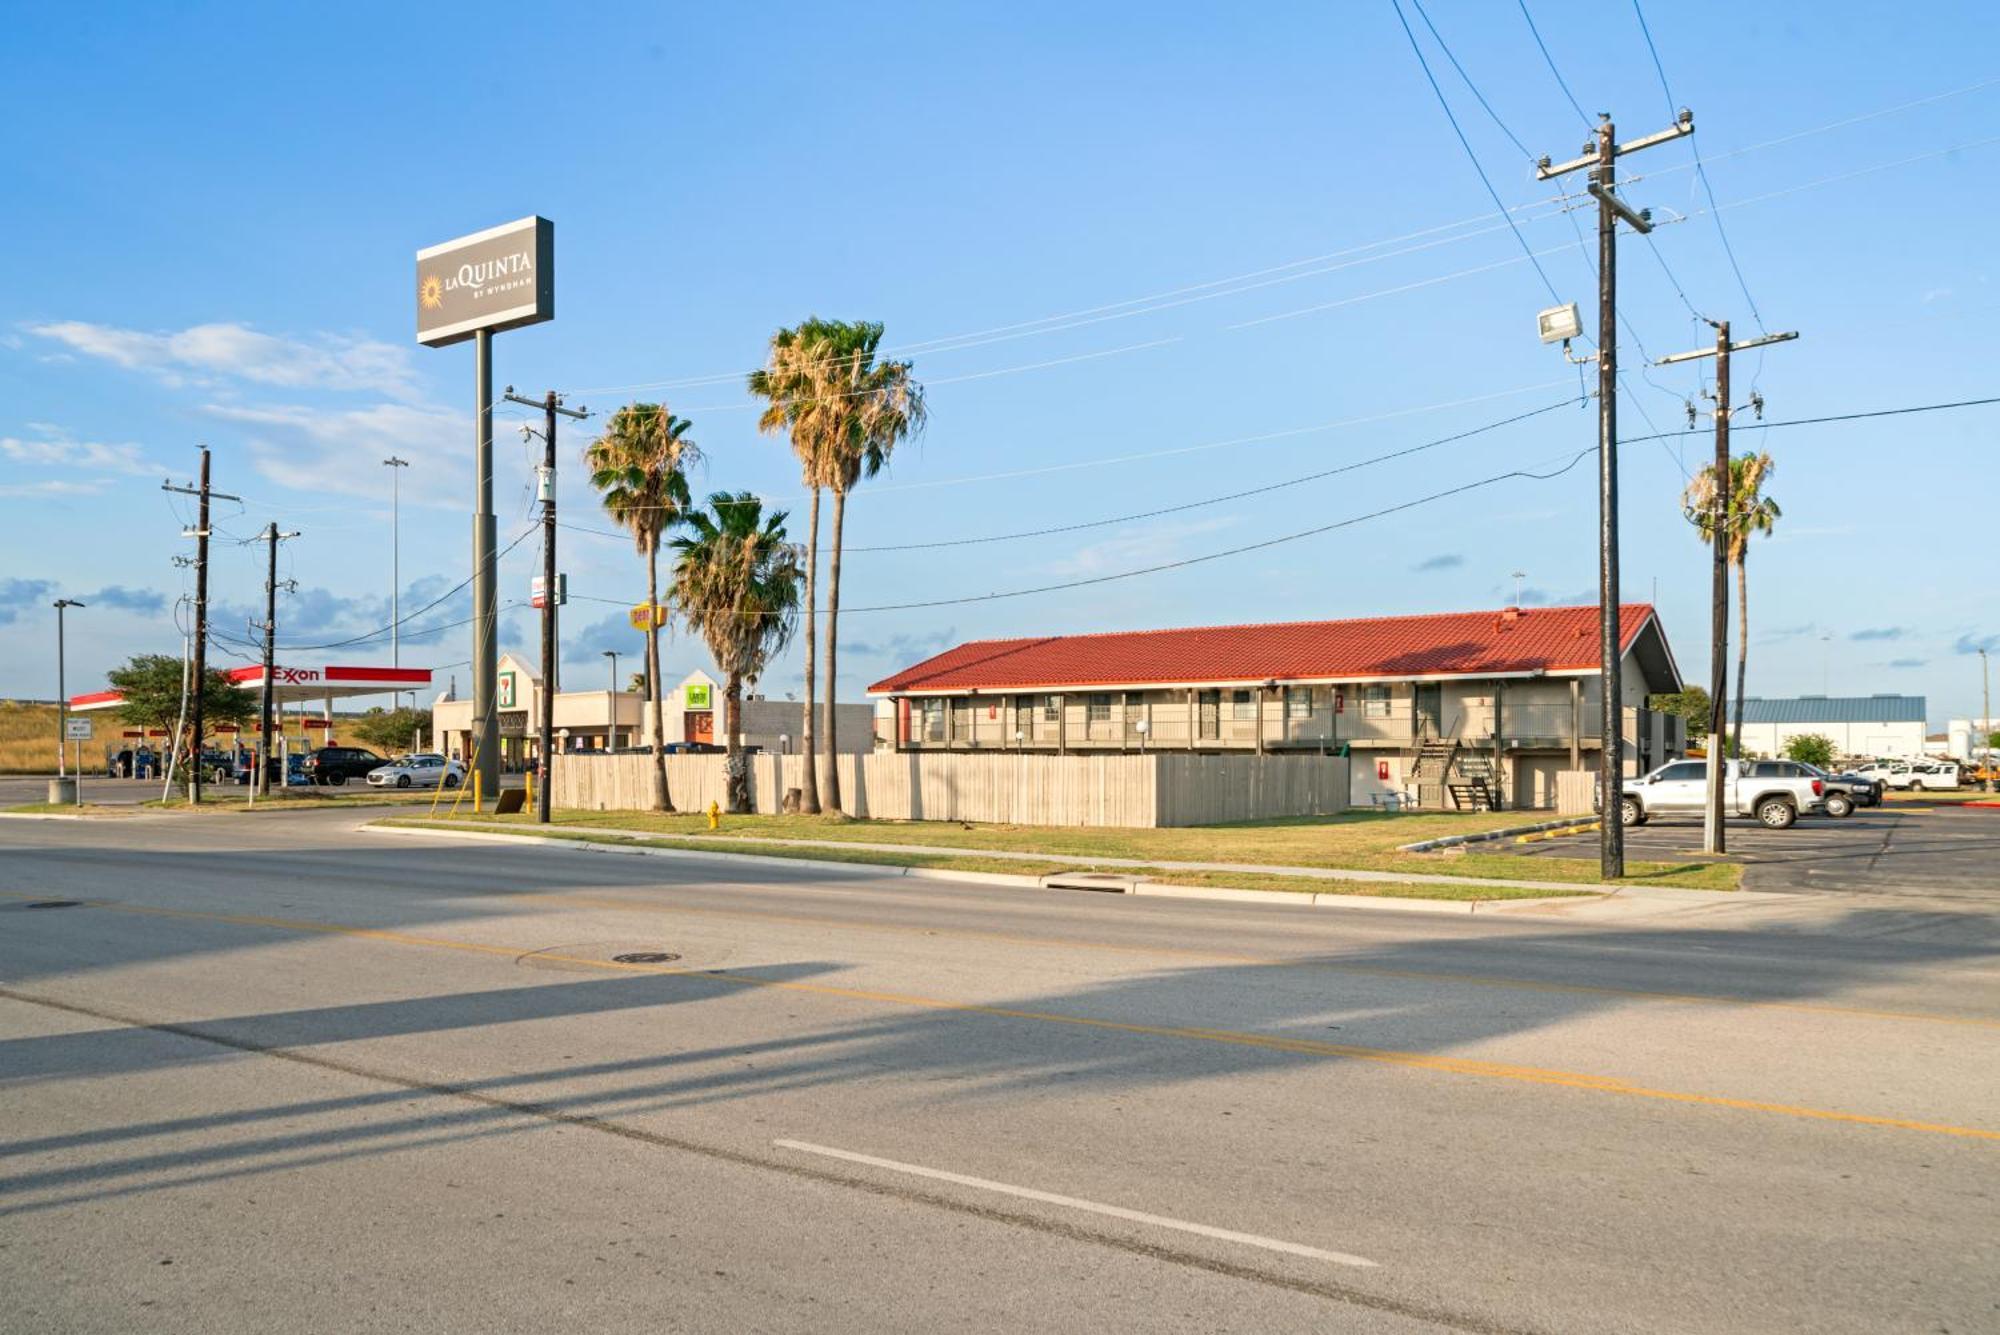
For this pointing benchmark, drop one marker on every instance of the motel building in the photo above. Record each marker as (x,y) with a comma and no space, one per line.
(302,701)
(606,720)
(1459,709)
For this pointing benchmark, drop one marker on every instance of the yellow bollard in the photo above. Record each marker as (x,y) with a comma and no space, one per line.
(714,816)
(476,808)
(530,804)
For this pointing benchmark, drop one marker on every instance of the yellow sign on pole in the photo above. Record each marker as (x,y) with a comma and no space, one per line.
(648,616)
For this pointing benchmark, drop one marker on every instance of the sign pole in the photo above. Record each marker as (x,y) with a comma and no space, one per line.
(485,589)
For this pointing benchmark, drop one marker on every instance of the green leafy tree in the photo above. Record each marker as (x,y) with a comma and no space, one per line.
(1691,704)
(1750,512)
(639,466)
(151,685)
(1811,748)
(393,731)
(736,581)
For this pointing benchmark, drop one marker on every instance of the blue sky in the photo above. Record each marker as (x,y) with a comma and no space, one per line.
(213,212)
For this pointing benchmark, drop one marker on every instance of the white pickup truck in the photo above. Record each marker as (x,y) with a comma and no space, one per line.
(1776,792)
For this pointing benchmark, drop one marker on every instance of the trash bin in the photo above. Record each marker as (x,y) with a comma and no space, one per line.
(62,792)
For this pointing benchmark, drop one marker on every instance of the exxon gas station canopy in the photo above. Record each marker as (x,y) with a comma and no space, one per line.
(290,684)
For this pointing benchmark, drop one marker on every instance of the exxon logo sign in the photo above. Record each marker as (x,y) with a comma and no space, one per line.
(296,676)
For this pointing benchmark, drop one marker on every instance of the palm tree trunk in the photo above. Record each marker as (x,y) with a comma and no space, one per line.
(732,711)
(662,801)
(1742,637)
(809,785)
(832,639)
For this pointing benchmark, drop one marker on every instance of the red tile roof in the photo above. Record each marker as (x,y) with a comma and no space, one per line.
(1450,644)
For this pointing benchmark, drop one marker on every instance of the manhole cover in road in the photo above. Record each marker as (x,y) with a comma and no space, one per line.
(646,957)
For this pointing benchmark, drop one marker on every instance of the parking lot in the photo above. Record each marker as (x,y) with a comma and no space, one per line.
(1916,849)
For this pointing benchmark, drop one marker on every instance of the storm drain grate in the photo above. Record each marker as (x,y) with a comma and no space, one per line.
(645,957)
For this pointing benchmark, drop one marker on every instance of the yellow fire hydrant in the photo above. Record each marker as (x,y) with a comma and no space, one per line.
(714,816)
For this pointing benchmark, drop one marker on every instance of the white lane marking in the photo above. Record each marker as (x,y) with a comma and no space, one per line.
(1071,1202)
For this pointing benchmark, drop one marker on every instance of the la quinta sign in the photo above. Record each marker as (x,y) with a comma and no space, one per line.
(501,278)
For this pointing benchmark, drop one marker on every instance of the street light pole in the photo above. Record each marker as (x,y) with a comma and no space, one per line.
(395,465)
(611,701)
(62,692)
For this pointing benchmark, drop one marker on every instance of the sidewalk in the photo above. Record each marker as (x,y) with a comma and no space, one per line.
(1593,899)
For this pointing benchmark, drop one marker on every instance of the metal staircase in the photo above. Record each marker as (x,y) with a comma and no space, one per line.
(1431,772)
(1475,788)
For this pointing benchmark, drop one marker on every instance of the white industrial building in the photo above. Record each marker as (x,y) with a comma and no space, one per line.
(1888,727)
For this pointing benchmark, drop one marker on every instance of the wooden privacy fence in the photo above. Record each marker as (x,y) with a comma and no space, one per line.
(999,788)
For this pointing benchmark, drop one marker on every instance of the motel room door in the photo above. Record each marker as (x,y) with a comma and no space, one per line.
(1430,708)
(699,726)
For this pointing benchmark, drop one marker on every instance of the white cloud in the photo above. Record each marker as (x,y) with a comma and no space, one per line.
(311,449)
(53,488)
(202,352)
(1133,549)
(57,448)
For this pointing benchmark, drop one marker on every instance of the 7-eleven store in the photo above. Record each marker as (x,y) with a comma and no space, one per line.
(302,699)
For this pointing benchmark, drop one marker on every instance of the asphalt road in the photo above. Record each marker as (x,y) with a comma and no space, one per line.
(272,1073)
(1942,852)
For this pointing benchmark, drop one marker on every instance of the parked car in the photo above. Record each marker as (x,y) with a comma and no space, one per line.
(1888,773)
(295,769)
(1776,792)
(1933,775)
(1844,792)
(335,765)
(424,770)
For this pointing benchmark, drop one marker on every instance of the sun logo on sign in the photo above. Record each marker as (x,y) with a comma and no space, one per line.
(430,292)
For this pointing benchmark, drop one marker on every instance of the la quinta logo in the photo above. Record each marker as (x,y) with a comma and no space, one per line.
(430,292)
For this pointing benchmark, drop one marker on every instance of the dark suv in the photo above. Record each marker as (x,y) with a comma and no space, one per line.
(337,764)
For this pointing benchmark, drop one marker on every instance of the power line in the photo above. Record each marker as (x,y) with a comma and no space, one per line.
(1700,172)
(1209,556)
(1231,496)
(1465,144)
(1551,62)
(1822,421)
(1060,322)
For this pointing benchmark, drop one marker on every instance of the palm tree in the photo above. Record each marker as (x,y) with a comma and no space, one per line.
(736,580)
(640,466)
(1750,512)
(799,397)
(878,407)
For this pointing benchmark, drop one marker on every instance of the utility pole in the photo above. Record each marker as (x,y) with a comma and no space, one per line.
(1713,838)
(62,695)
(200,669)
(1985,713)
(1602,160)
(395,467)
(551,405)
(261,783)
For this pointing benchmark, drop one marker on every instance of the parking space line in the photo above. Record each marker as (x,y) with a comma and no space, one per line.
(1074,1203)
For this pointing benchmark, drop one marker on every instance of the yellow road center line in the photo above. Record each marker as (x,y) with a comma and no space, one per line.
(1271,1042)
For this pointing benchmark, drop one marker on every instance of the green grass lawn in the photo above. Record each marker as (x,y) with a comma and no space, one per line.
(972,862)
(1360,840)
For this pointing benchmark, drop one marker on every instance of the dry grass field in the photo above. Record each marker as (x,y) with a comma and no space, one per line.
(28,738)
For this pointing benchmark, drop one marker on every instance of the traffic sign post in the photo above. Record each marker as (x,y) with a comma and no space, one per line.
(77,731)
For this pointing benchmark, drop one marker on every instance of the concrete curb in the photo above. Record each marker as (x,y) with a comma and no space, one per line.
(1489,836)
(1222,894)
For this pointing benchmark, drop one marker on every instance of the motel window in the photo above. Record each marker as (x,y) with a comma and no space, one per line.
(933,720)
(1298,702)
(1097,709)
(1052,709)
(1374,702)
(1242,706)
